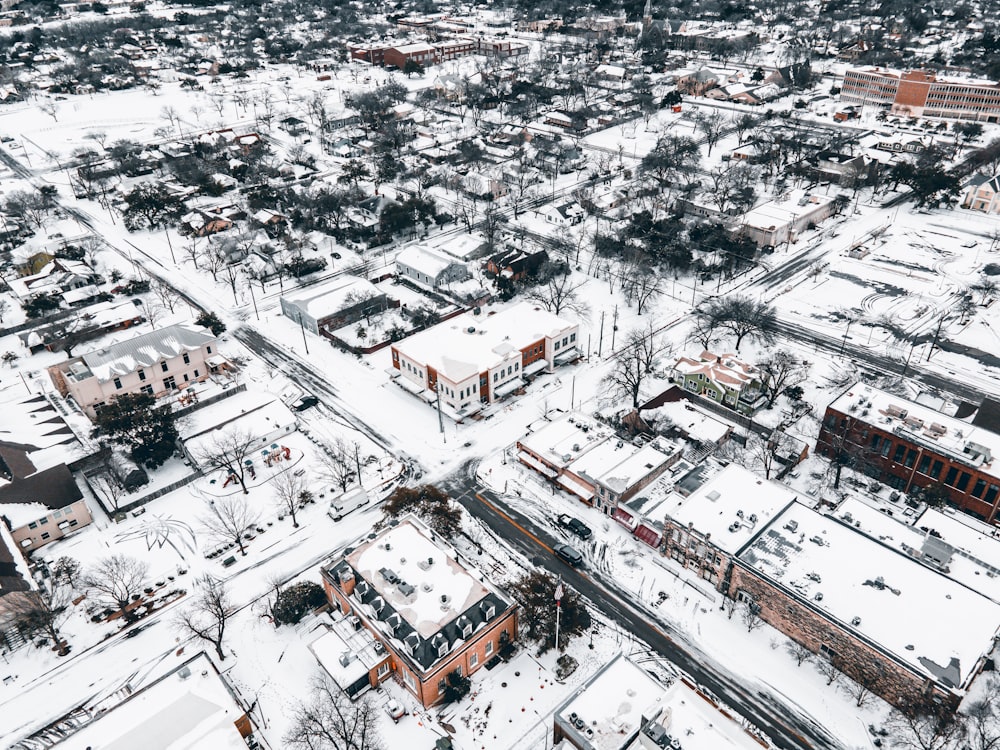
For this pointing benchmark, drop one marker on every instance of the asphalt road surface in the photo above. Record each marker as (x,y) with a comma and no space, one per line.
(785,728)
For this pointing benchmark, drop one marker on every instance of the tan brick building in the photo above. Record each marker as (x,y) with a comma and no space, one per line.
(429,612)
(920,93)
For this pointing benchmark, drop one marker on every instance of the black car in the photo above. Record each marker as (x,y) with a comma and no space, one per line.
(568,554)
(305,402)
(575,525)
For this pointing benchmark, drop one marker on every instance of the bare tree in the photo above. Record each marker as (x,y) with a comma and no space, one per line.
(66,569)
(116,580)
(167,296)
(829,670)
(230,519)
(634,363)
(750,615)
(228,451)
(339,463)
(559,293)
(741,316)
(106,485)
(42,611)
(779,371)
(331,721)
(4,307)
(50,108)
(982,721)
(925,727)
(288,489)
(798,652)
(712,126)
(171,115)
(208,613)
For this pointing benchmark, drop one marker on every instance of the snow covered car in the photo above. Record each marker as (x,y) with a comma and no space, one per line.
(395,711)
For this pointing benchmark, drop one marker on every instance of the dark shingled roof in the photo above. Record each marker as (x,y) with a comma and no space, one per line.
(988,415)
(10,577)
(54,488)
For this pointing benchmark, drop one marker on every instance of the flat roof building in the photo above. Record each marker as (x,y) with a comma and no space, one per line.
(471,360)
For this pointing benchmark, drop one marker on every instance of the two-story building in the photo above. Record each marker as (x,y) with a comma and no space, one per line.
(471,359)
(335,303)
(429,268)
(723,378)
(156,363)
(982,193)
(591,461)
(431,612)
(910,446)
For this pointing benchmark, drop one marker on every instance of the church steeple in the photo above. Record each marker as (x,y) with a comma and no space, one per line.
(647,15)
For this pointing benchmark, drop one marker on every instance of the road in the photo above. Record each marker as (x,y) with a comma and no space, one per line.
(785,728)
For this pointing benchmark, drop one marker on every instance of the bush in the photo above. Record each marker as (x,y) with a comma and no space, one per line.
(457,687)
(211,321)
(294,602)
(299,266)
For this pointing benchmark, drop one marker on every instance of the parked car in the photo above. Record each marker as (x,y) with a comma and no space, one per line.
(395,711)
(568,554)
(575,525)
(304,402)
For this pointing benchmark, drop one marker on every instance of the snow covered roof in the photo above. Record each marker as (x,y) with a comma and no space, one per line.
(964,549)
(961,441)
(933,624)
(255,406)
(691,420)
(32,431)
(468,344)
(725,369)
(786,210)
(621,700)
(323,300)
(345,653)
(425,260)
(189,708)
(144,350)
(619,465)
(733,506)
(606,713)
(563,440)
(417,591)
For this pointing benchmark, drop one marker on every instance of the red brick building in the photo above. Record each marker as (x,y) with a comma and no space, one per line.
(920,93)
(421,53)
(428,612)
(910,446)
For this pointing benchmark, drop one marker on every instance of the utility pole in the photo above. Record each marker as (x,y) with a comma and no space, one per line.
(303,329)
(253,299)
(600,341)
(558,596)
(614,327)
(357,463)
(444,437)
(937,332)
(844,342)
(171,246)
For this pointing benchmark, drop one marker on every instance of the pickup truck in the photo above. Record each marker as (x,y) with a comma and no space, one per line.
(575,525)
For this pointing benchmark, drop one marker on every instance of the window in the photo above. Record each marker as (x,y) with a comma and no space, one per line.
(489,647)
(936,469)
(949,478)
(409,681)
(163,366)
(897,457)
(744,597)
(495,376)
(827,653)
(991,494)
(911,457)
(557,346)
(443,649)
(979,488)
(169,383)
(57,514)
(572,337)
(118,383)
(383,670)
(147,389)
(43,521)
(925,462)
(876,439)
(33,525)
(963,481)
(196,373)
(885,448)
(186,378)
(142,374)
(45,535)
(473,660)
(186,358)
(208,349)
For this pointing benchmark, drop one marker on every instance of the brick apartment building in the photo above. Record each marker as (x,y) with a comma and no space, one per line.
(472,359)
(909,446)
(428,612)
(904,630)
(920,93)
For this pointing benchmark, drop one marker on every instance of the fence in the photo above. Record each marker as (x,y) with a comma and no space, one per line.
(210,400)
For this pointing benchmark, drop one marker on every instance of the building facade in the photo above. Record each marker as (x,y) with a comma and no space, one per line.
(722,378)
(155,363)
(431,612)
(472,359)
(920,93)
(340,302)
(910,446)
(983,194)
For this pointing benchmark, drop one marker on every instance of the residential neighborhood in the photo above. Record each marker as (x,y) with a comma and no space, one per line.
(575,376)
